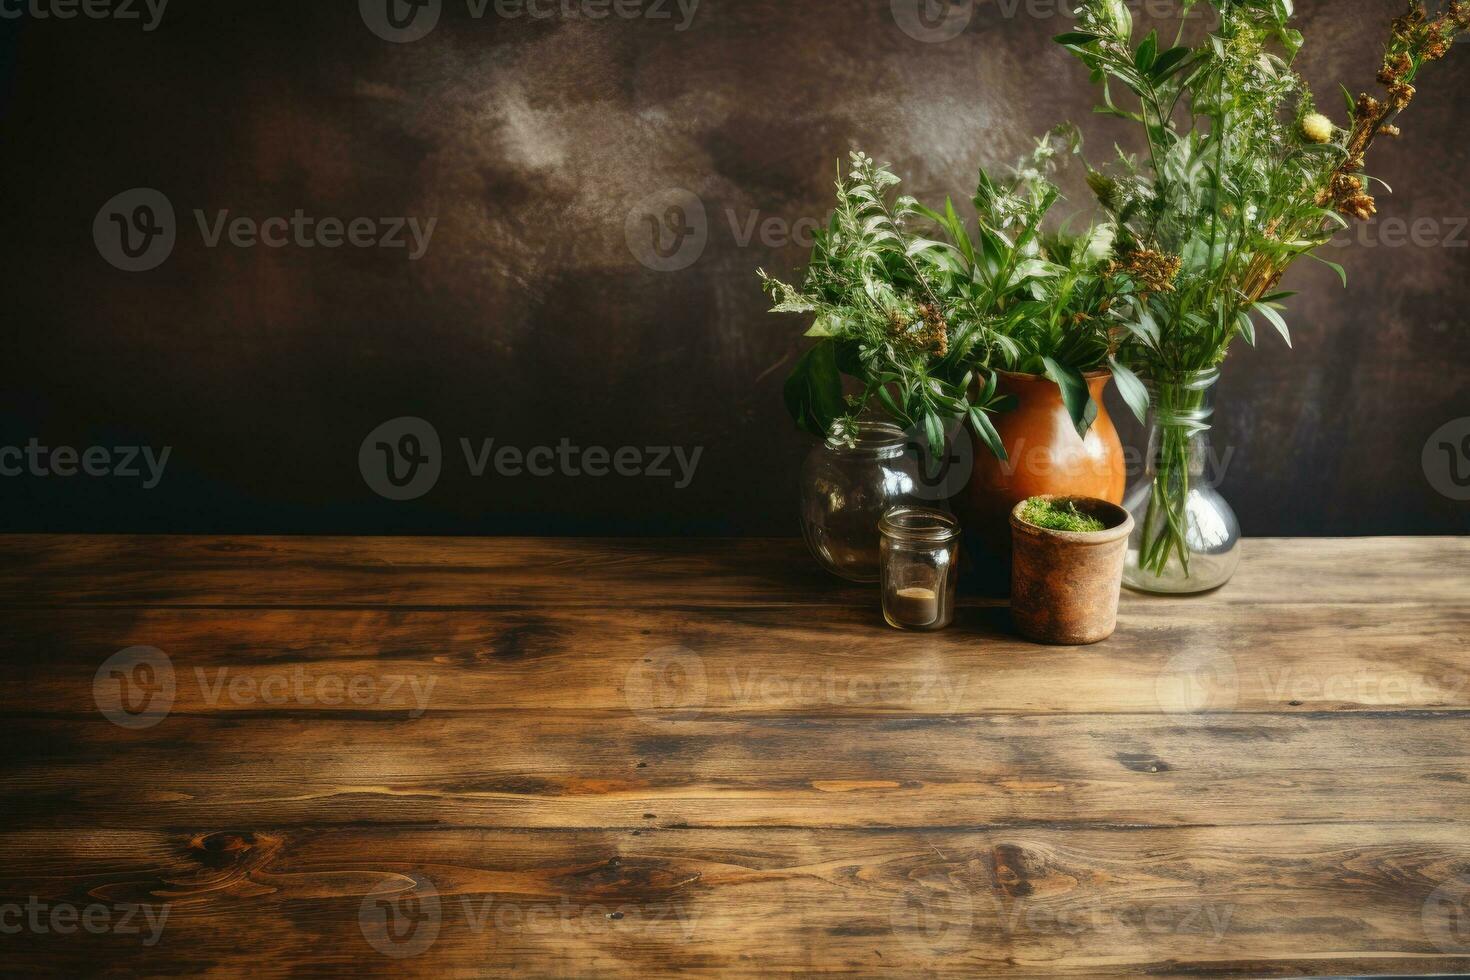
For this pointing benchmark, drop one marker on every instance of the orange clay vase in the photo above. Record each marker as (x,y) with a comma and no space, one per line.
(1046,456)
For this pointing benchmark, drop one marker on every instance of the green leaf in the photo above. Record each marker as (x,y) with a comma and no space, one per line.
(1145,328)
(1276,321)
(825,325)
(1352,103)
(1341,272)
(1132,389)
(1169,62)
(985,429)
(934,434)
(1143,59)
(850,359)
(1076,38)
(813,390)
(886,397)
(1075,395)
(1247,328)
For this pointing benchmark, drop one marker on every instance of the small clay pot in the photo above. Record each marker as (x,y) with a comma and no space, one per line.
(1065,584)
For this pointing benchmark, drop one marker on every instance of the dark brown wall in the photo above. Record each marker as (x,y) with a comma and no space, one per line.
(531,320)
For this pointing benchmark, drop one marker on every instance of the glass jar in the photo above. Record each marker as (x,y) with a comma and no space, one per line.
(1185,536)
(920,567)
(846,486)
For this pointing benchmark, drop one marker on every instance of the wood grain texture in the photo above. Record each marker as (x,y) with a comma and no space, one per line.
(573,758)
(615,573)
(1029,902)
(606,769)
(836,659)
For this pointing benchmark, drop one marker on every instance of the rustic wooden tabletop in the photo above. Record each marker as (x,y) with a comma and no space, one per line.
(469,757)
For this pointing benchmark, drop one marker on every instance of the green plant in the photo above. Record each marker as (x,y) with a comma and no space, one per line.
(881,316)
(922,314)
(1058,517)
(1243,176)
(1050,298)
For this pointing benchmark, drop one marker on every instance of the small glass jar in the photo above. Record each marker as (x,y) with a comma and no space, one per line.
(846,486)
(920,567)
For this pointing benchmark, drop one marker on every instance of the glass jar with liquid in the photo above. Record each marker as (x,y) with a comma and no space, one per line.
(919,559)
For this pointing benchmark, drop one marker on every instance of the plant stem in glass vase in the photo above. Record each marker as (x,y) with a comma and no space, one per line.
(1185,537)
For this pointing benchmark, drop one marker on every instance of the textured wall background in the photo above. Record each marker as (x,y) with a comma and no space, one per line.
(543,145)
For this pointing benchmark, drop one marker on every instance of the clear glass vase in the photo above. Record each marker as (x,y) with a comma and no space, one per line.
(1185,536)
(847,484)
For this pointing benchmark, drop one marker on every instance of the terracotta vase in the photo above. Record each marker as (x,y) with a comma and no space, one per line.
(1065,584)
(1046,456)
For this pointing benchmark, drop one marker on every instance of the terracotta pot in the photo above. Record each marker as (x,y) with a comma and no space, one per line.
(1065,584)
(1046,456)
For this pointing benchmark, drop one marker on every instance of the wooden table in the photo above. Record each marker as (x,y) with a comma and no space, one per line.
(270,756)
